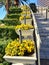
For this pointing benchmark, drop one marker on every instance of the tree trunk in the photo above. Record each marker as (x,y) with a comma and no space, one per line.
(8,3)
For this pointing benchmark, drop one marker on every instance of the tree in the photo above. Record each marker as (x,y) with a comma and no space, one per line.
(16,2)
(8,4)
(33,7)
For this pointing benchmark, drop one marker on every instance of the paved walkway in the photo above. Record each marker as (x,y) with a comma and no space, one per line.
(43,26)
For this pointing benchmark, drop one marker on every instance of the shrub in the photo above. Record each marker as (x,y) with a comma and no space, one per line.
(6,63)
(10,22)
(1,63)
(13,16)
(15,10)
(3,44)
(8,32)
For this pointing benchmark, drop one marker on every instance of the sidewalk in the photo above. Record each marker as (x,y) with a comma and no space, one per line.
(43,26)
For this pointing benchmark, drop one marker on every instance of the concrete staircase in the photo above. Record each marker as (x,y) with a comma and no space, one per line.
(43,26)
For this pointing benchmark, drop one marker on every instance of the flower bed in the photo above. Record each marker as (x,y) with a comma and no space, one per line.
(24,27)
(25,13)
(16,48)
(22,17)
(21,50)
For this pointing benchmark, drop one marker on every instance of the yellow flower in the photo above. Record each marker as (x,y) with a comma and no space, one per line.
(16,48)
(24,26)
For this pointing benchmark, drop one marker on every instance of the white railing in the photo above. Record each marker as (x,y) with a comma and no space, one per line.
(38,40)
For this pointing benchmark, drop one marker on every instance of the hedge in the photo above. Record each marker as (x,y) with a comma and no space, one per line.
(7,32)
(10,22)
(13,16)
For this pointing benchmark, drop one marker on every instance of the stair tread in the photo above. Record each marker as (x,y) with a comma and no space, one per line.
(43,27)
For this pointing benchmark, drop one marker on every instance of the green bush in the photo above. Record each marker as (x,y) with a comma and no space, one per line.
(15,10)
(6,63)
(10,22)
(1,56)
(13,16)
(7,32)
(3,44)
(1,63)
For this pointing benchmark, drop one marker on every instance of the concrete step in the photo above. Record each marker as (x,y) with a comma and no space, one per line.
(45,39)
(44,42)
(44,46)
(44,35)
(44,53)
(43,27)
(44,62)
(43,30)
(44,22)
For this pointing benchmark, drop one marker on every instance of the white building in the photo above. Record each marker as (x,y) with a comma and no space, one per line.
(43,3)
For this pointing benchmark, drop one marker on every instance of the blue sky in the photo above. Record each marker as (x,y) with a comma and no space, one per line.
(3,12)
(34,1)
